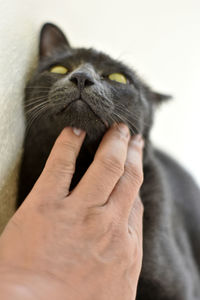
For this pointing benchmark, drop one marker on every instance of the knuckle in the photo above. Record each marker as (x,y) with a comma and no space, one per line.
(94,213)
(139,205)
(61,164)
(120,136)
(67,145)
(128,245)
(119,233)
(60,167)
(95,216)
(135,173)
(125,250)
(113,164)
(121,243)
(68,167)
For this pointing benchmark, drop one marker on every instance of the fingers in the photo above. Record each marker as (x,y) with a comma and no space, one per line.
(107,167)
(135,220)
(60,166)
(127,188)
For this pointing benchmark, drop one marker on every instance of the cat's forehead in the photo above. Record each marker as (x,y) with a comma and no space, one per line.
(75,57)
(81,55)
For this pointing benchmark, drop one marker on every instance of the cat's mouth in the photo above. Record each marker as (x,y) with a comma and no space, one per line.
(80,104)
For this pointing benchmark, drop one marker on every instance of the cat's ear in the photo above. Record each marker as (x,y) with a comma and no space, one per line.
(51,40)
(159,98)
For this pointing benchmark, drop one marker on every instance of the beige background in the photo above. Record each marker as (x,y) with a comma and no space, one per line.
(160,39)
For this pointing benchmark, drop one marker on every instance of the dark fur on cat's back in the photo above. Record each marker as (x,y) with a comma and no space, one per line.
(86,98)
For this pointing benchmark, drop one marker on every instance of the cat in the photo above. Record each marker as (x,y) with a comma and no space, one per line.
(88,89)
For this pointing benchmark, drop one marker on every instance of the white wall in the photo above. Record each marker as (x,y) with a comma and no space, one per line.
(160,39)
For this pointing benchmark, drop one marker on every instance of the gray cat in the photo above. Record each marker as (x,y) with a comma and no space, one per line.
(87,89)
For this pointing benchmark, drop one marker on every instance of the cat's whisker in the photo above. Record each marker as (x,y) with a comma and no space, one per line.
(121,116)
(35,107)
(119,120)
(34,110)
(128,116)
(123,119)
(122,106)
(38,113)
(42,94)
(133,114)
(38,87)
(33,118)
(36,101)
(45,95)
(31,104)
(37,97)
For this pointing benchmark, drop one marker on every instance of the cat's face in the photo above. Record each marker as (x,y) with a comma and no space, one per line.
(86,89)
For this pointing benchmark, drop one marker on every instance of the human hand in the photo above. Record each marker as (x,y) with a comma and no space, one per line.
(86,244)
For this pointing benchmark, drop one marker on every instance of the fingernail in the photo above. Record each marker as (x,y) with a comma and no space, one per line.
(138,139)
(77,131)
(122,128)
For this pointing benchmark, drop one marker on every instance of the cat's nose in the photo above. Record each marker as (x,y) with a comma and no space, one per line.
(81,79)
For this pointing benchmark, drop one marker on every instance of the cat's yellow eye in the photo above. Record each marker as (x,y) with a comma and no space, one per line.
(59,70)
(118,77)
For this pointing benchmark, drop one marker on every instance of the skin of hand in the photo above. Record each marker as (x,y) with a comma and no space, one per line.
(83,244)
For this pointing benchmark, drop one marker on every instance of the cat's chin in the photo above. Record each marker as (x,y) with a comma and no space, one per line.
(80,115)
(94,130)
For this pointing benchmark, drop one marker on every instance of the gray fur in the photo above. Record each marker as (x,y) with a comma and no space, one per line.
(87,99)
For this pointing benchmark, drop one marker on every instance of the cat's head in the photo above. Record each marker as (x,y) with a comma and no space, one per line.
(87,89)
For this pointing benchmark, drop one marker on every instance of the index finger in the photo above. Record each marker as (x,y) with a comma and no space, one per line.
(59,168)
